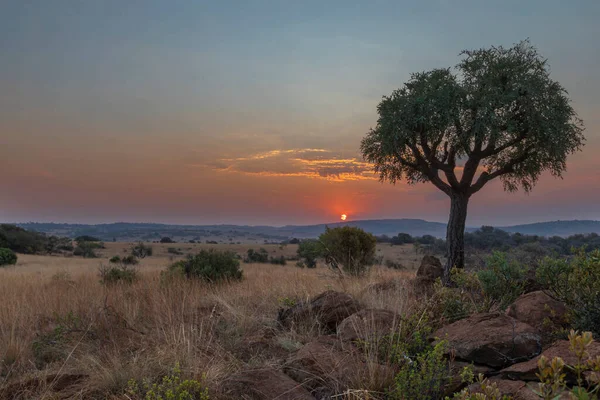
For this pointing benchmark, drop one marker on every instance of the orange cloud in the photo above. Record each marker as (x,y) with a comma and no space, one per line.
(306,163)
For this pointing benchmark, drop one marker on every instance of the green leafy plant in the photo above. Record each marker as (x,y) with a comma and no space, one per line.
(348,247)
(7,257)
(261,256)
(170,387)
(486,390)
(309,251)
(209,265)
(575,282)
(117,273)
(502,280)
(141,250)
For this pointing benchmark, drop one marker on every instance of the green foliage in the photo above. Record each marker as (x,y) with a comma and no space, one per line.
(209,265)
(586,371)
(114,260)
(394,264)
(349,247)
(7,257)
(52,346)
(86,249)
(499,109)
(278,260)
(424,376)
(25,241)
(502,280)
(119,273)
(485,390)
(170,387)
(141,250)
(309,250)
(575,282)
(166,239)
(86,238)
(261,256)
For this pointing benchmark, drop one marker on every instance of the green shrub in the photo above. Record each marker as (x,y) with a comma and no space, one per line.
(141,250)
(209,265)
(349,247)
(166,239)
(393,264)
(170,387)
(114,260)
(121,273)
(86,249)
(278,260)
(86,238)
(309,251)
(130,260)
(260,256)
(575,282)
(424,376)
(7,257)
(502,280)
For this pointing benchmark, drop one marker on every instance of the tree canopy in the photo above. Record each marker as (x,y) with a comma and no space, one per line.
(498,112)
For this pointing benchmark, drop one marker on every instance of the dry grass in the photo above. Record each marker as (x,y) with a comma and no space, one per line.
(113,334)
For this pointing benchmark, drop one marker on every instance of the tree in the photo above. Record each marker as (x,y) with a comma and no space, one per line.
(140,250)
(310,250)
(350,247)
(498,114)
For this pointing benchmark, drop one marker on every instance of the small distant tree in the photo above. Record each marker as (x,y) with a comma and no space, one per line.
(497,115)
(349,247)
(209,265)
(7,257)
(310,250)
(166,239)
(141,250)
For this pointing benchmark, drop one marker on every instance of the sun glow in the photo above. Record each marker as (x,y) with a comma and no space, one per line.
(343,217)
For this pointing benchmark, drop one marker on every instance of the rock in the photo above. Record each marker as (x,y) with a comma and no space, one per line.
(518,390)
(325,311)
(369,325)
(491,339)
(430,269)
(328,366)
(526,370)
(264,384)
(538,309)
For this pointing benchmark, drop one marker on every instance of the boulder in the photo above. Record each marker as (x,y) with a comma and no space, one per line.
(491,339)
(518,390)
(324,312)
(526,371)
(538,309)
(328,366)
(264,384)
(368,325)
(430,269)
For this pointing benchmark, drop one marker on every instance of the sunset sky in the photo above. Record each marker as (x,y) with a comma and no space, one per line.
(252,112)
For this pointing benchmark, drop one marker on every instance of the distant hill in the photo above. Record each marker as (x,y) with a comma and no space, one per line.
(123,231)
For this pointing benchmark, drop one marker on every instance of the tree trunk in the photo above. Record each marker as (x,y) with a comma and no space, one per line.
(455,234)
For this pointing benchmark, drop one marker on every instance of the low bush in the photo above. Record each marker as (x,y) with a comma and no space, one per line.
(575,282)
(309,251)
(171,386)
(209,265)
(173,250)
(393,264)
(121,273)
(278,260)
(114,260)
(86,249)
(141,250)
(260,256)
(7,257)
(166,240)
(502,280)
(350,248)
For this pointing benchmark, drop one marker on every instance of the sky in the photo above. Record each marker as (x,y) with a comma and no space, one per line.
(252,112)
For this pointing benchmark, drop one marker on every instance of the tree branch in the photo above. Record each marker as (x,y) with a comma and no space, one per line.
(485,177)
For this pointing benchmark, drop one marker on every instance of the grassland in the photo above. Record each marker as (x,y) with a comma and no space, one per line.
(56,317)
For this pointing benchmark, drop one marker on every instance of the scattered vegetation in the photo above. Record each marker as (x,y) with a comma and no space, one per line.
(7,257)
(25,241)
(141,250)
(260,256)
(209,265)
(170,387)
(309,251)
(117,273)
(348,247)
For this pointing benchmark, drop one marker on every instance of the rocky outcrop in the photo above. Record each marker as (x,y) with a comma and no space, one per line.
(491,339)
(324,312)
(430,269)
(328,366)
(264,384)
(368,325)
(526,370)
(538,310)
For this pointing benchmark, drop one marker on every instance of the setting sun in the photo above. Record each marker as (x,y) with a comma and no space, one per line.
(343,217)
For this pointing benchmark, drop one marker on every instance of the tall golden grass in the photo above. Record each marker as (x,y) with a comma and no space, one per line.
(121,332)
